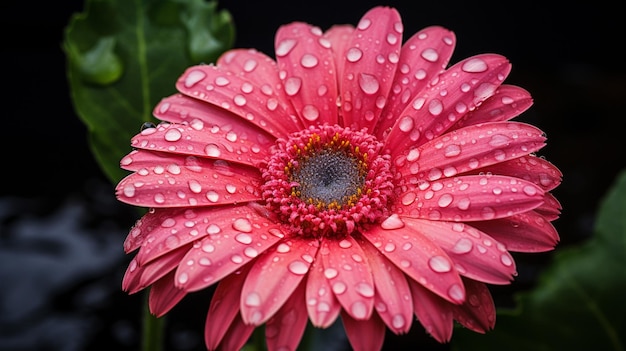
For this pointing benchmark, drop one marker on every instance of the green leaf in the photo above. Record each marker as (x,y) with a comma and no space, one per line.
(578,303)
(123,56)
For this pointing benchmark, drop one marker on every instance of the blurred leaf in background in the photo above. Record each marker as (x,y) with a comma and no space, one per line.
(578,303)
(124,56)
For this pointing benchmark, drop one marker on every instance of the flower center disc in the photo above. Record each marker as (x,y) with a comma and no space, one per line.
(328,180)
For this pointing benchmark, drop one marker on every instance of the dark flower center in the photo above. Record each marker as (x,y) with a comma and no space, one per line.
(328,180)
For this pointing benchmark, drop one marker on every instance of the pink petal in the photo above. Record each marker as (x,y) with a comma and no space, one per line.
(433,312)
(478,313)
(274,277)
(216,86)
(370,64)
(310,80)
(198,140)
(551,207)
(164,295)
(467,149)
(523,232)
(418,257)
(143,226)
(236,337)
(262,72)
(470,198)
(224,307)
(364,335)
(234,239)
(350,276)
(393,297)
(339,37)
(322,305)
(284,331)
(179,108)
(507,102)
(168,262)
(179,228)
(474,254)
(455,92)
(531,168)
(138,277)
(190,181)
(423,57)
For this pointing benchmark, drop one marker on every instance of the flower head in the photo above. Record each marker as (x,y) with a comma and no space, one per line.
(357,175)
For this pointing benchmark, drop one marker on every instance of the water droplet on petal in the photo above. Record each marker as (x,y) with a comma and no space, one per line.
(285,47)
(298,267)
(462,246)
(354,54)
(368,83)
(365,289)
(310,112)
(308,61)
(359,310)
(398,321)
(392,222)
(292,85)
(194,77)
(173,135)
(456,293)
(242,225)
(253,300)
(243,238)
(474,65)
(439,264)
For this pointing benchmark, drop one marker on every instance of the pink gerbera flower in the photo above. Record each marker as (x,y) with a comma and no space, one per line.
(353,176)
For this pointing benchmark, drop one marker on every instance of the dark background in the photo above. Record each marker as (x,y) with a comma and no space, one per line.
(61,229)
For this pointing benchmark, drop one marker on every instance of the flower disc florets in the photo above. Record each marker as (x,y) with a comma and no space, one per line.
(328,180)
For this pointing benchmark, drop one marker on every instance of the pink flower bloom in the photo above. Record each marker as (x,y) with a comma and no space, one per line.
(353,176)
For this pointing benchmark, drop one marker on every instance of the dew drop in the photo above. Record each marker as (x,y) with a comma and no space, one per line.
(308,61)
(439,264)
(488,213)
(435,107)
(243,238)
(330,273)
(173,135)
(452,150)
(193,78)
(406,124)
(339,288)
(398,321)
(474,65)
(430,55)
(285,47)
(456,293)
(212,196)
(212,229)
(242,225)
(365,289)
(354,54)
(462,246)
(253,300)
(506,260)
(310,112)
(183,278)
(530,190)
(359,310)
(298,268)
(212,150)
(368,83)
(445,200)
(392,222)
(292,85)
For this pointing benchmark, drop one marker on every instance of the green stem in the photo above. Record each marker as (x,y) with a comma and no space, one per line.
(152,329)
